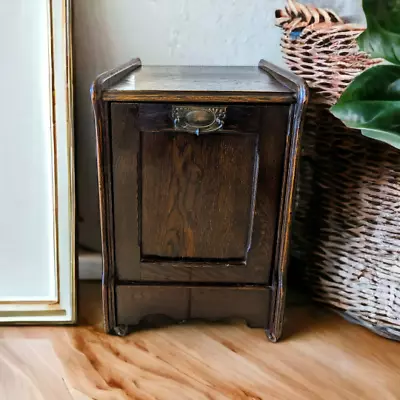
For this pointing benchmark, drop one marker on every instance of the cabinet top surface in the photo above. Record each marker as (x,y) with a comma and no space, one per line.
(199,79)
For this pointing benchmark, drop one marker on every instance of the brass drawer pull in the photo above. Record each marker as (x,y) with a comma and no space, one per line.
(198,120)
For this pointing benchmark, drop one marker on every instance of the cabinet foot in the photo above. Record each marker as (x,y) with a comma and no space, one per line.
(271,335)
(121,330)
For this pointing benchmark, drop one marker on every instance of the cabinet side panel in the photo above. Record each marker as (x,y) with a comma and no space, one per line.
(125,150)
(272,145)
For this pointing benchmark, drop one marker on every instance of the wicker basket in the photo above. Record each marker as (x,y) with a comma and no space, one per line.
(347,226)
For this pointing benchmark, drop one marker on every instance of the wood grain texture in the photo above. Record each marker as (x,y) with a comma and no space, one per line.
(199,78)
(199,84)
(292,154)
(197,195)
(323,357)
(248,303)
(125,147)
(154,82)
(269,188)
(137,302)
(30,370)
(101,112)
(271,252)
(181,303)
(199,97)
(239,119)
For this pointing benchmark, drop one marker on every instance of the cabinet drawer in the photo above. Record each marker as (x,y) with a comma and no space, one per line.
(234,118)
(183,303)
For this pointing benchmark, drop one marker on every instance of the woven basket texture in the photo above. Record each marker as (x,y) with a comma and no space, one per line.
(347,225)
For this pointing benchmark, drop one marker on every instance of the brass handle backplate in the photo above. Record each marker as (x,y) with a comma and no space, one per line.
(197,119)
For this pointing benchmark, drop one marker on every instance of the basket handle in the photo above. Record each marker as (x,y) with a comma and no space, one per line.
(299,16)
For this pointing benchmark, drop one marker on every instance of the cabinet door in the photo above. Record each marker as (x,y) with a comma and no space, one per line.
(196,208)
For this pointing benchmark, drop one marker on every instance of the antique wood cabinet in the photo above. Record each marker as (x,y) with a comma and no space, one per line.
(196,175)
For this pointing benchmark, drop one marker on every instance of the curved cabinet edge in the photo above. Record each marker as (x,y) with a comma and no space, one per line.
(299,86)
(100,110)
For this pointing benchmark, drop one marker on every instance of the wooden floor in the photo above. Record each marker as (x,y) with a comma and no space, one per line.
(322,357)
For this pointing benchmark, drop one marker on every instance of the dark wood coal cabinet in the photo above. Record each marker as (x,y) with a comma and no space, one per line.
(196,175)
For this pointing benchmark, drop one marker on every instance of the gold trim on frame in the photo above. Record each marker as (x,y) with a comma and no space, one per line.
(67,10)
(53,127)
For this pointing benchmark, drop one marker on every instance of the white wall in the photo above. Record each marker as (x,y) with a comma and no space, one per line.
(197,32)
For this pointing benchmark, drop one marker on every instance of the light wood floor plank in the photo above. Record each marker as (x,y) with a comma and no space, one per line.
(322,357)
(29,369)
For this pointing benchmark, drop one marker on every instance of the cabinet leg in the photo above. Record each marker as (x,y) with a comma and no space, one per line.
(269,332)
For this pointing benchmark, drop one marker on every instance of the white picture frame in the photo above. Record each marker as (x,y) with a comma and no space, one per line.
(37,257)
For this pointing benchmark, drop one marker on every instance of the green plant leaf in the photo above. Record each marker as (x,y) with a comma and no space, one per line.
(372,103)
(391,138)
(382,36)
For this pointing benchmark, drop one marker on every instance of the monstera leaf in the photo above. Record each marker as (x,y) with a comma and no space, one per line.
(372,103)
(382,37)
